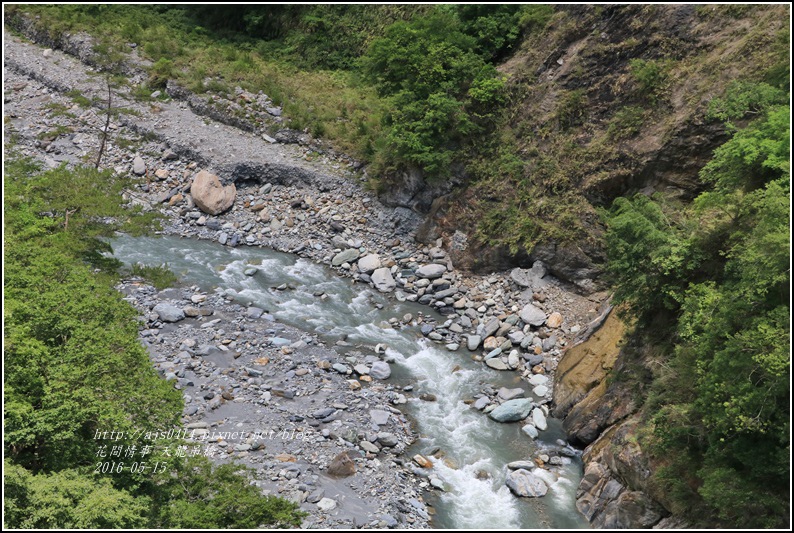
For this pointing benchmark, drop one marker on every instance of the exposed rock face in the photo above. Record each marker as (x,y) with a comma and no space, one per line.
(210,195)
(614,492)
(585,366)
(587,59)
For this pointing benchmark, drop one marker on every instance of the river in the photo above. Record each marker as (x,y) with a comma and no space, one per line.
(476,448)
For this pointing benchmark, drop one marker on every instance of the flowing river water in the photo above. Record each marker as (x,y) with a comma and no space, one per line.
(472,442)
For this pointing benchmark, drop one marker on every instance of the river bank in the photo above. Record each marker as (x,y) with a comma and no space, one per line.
(292,197)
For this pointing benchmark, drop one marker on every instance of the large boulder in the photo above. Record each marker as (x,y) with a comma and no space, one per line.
(383,280)
(210,195)
(369,263)
(431,271)
(530,278)
(168,312)
(345,256)
(342,466)
(512,410)
(525,484)
(138,166)
(532,315)
(380,370)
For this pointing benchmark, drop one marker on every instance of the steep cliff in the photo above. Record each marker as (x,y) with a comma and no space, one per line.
(598,390)
(604,102)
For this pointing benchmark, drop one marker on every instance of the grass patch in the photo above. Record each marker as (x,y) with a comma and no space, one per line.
(626,123)
(78,98)
(53,133)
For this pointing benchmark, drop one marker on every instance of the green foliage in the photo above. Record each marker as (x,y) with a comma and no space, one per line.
(161,71)
(68,499)
(440,89)
(648,259)
(498,27)
(744,99)
(572,109)
(722,266)
(198,496)
(651,76)
(159,276)
(73,365)
(626,123)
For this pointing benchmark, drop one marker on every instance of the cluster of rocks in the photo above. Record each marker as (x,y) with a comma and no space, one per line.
(531,478)
(298,412)
(505,320)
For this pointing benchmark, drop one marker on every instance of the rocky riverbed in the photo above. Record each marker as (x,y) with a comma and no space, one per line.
(241,370)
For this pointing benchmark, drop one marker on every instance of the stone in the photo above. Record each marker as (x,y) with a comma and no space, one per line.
(481,403)
(326,505)
(473,342)
(538,379)
(493,353)
(369,263)
(513,359)
(339,367)
(554,320)
(525,484)
(316,496)
(512,410)
(539,419)
(516,336)
(432,271)
(497,364)
(549,343)
(209,195)
(531,431)
(345,256)
(383,280)
(138,166)
(379,417)
(389,440)
(518,465)
(490,327)
(506,394)
(368,447)
(422,461)
(380,370)
(532,315)
(530,278)
(341,466)
(540,390)
(168,312)
(254,312)
(492,343)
